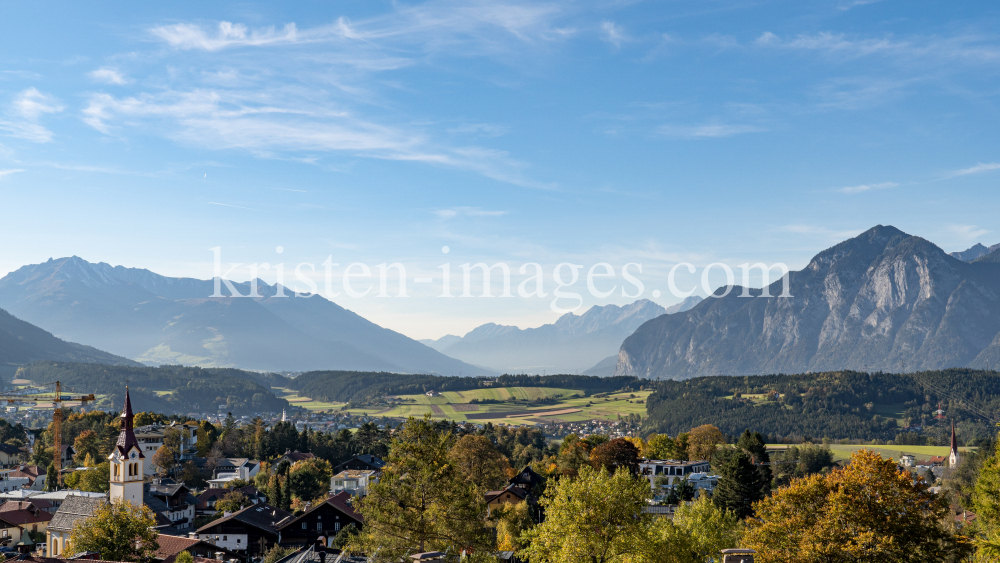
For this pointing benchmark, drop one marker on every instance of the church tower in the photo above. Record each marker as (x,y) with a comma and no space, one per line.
(127,461)
(953,456)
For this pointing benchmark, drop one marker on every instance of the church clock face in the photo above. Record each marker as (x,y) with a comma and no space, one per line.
(134,455)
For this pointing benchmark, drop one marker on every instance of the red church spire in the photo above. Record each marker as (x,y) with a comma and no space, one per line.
(127,417)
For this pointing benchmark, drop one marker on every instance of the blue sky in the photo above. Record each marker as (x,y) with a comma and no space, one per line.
(581,132)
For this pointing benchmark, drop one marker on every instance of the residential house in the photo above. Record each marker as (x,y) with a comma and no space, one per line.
(10,482)
(207,499)
(510,494)
(68,453)
(361,462)
(250,531)
(176,503)
(354,482)
(73,509)
(25,514)
(12,455)
(151,436)
(673,470)
(34,474)
(228,468)
(172,546)
(292,457)
(326,519)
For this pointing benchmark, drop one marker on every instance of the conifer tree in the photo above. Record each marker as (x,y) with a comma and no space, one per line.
(740,485)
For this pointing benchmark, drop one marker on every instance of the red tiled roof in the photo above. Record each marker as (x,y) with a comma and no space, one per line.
(40,504)
(170,546)
(25,517)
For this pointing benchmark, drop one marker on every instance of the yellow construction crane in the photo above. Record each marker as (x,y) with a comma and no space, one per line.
(49,393)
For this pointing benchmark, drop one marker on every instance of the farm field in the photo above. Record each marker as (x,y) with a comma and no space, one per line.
(922,453)
(569,405)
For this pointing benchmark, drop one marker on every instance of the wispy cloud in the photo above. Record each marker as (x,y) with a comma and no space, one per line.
(22,118)
(467,211)
(968,232)
(612,33)
(857,3)
(290,190)
(708,131)
(820,231)
(481,129)
(981,167)
(230,205)
(108,76)
(10,171)
(251,121)
(433,25)
(867,188)
(965,48)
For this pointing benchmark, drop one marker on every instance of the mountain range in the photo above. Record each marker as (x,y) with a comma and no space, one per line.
(156,319)
(572,344)
(22,343)
(884,300)
(976,252)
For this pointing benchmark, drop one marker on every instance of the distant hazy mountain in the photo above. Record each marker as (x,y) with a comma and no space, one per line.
(974,253)
(157,320)
(571,344)
(22,343)
(883,300)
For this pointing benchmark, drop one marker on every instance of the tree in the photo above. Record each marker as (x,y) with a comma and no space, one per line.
(165,459)
(87,443)
(51,478)
(740,485)
(595,518)
(184,557)
(207,435)
(573,454)
(660,446)
(119,531)
(868,511)
(703,441)
(192,476)
(310,478)
(479,462)
(234,501)
(420,502)
(277,553)
(697,533)
(511,521)
(94,479)
(984,504)
(618,453)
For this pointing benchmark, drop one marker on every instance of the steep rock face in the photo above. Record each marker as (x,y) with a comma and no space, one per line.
(974,253)
(884,300)
(571,344)
(157,319)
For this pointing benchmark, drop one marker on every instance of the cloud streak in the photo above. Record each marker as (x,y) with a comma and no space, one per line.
(22,119)
(108,76)
(975,169)
(8,172)
(467,212)
(867,188)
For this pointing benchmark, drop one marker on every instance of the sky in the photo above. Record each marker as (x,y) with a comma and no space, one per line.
(583,132)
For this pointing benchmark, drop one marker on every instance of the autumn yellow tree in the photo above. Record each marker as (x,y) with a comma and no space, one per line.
(703,441)
(868,511)
(119,531)
(479,462)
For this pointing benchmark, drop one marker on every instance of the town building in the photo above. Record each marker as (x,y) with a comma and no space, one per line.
(325,519)
(72,510)
(953,459)
(354,482)
(673,470)
(250,531)
(361,462)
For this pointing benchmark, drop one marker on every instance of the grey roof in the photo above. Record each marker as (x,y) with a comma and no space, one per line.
(310,554)
(154,504)
(261,516)
(73,509)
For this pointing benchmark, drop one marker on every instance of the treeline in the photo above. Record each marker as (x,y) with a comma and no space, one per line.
(190,389)
(837,405)
(366,387)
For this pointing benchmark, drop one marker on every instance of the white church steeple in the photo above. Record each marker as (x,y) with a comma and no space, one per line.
(127,461)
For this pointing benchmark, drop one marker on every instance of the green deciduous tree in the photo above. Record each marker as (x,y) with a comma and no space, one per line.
(309,479)
(421,502)
(868,511)
(660,446)
(233,502)
(119,531)
(697,533)
(87,444)
(595,518)
(512,521)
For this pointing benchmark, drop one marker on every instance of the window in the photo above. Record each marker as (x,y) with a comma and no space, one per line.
(225,538)
(303,525)
(319,526)
(237,540)
(336,526)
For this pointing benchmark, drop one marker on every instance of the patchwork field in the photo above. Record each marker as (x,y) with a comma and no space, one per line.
(530,405)
(922,453)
